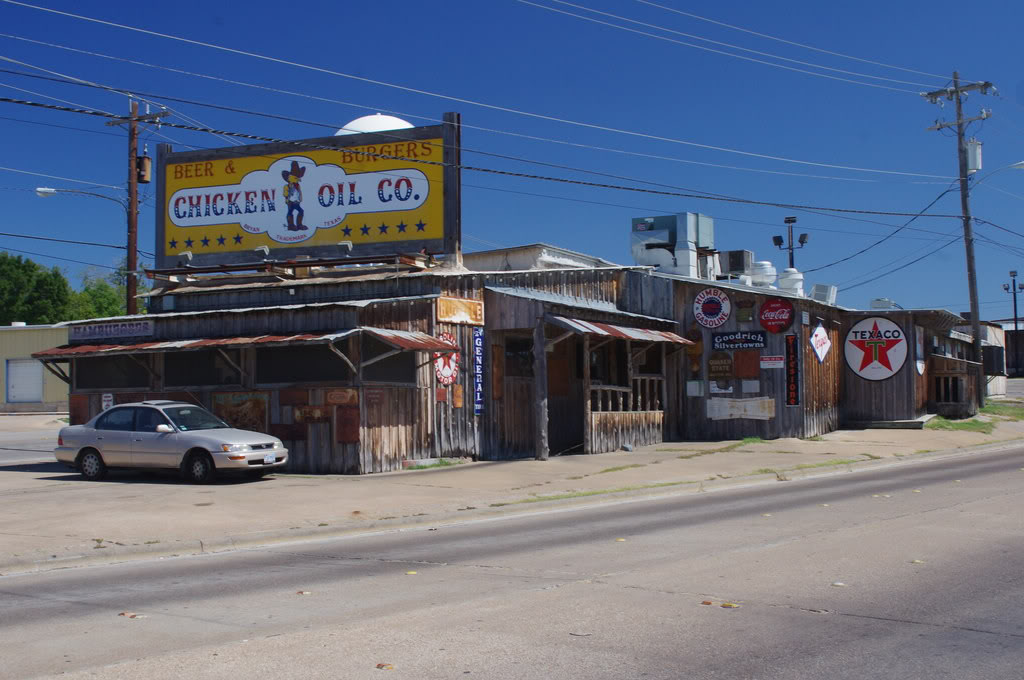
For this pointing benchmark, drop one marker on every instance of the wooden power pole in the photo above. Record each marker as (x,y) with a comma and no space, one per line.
(955,93)
(132,262)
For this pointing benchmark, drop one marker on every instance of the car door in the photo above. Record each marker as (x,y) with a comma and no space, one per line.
(149,447)
(114,436)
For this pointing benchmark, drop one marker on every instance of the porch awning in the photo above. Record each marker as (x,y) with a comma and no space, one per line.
(401,340)
(610,331)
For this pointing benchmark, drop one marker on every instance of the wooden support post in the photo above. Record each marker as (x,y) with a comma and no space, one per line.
(540,390)
(587,434)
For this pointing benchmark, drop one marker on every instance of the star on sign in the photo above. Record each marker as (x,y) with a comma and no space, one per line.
(875,348)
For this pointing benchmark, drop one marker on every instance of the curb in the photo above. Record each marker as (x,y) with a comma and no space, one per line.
(83,555)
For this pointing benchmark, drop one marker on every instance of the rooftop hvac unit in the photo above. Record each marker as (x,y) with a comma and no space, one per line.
(884,303)
(738,261)
(822,292)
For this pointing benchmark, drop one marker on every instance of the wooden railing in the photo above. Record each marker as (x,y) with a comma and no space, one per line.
(644,395)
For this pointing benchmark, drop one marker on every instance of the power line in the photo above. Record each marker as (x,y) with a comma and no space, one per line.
(789,42)
(464,149)
(66,179)
(710,49)
(881,240)
(54,257)
(388,111)
(507,173)
(893,271)
(461,100)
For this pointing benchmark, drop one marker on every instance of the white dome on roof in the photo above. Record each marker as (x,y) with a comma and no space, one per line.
(375,123)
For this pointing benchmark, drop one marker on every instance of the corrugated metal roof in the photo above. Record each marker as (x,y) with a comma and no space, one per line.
(245,310)
(416,340)
(407,340)
(625,332)
(570,301)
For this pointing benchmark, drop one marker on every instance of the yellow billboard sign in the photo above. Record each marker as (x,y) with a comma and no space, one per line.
(223,204)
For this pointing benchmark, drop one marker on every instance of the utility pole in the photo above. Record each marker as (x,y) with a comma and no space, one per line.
(1013,288)
(131,283)
(954,94)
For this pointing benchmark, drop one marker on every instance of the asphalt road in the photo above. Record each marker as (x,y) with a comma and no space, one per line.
(33,444)
(912,571)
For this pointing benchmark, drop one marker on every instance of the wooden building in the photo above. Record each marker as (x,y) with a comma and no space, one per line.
(359,369)
(937,373)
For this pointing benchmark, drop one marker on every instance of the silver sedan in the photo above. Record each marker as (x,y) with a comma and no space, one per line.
(168,435)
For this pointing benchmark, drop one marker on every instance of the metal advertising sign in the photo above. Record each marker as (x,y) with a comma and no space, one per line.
(773,361)
(720,366)
(460,310)
(876,348)
(776,315)
(792,371)
(711,307)
(478,370)
(382,192)
(112,329)
(820,342)
(446,364)
(738,340)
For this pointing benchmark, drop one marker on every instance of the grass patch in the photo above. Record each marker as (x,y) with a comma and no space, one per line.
(815,438)
(827,463)
(620,468)
(751,440)
(766,471)
(871,456)
(441,462)
(584,494)
(1002,410)
(968,425)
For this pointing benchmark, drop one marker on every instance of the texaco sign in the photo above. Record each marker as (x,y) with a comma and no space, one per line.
(876,348)
(711,307)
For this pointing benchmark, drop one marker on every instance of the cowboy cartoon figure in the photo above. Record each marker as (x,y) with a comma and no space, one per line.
(293,196)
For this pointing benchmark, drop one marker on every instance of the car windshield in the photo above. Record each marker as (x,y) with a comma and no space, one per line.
(187,418)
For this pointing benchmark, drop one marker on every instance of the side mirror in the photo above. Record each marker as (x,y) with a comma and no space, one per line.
(164,428)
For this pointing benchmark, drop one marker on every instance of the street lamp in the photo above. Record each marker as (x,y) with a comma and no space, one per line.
(779,242)
(1013,288)
(132,263)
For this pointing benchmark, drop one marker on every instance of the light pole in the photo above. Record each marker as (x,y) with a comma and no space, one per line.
(131,262)
(1013,288)
(779,243)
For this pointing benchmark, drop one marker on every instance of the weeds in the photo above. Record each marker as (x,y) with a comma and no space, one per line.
(1001,410)
(440,462)
(620,468)
(969,425)
(594,492)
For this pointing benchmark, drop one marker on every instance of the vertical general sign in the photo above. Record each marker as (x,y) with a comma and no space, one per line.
(478,370)
(792,372)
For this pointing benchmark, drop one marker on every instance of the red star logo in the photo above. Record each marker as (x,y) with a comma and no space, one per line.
(875,348)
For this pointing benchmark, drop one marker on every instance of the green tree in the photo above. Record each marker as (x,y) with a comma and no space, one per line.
(31,293)
(97,299)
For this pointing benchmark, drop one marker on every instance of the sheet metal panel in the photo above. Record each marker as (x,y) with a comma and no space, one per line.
(624,332)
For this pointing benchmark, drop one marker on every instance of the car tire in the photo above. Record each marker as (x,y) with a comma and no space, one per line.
(91,465)
(198,468)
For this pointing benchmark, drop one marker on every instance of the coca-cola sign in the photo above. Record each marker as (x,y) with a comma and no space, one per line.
(776,315)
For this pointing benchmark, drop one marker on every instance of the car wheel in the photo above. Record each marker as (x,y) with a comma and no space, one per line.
(199,468)
(91,466)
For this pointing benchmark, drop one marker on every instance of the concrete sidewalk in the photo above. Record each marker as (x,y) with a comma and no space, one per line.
(53,518)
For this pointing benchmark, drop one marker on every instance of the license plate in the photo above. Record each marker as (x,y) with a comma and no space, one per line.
(269,459)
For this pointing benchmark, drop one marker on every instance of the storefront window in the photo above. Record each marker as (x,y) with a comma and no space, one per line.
(397,368)
(519,357)
(110,373)
(203,367)
(300,364)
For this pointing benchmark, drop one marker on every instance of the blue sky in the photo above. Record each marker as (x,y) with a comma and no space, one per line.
(643,109)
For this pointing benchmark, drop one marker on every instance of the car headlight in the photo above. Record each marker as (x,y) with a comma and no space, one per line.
(235,447)
(278,445)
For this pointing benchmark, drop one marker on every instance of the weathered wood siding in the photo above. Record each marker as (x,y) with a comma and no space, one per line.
(822,380)
(611,430)
(881,400)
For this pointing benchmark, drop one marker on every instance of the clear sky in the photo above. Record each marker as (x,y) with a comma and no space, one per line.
(624,98)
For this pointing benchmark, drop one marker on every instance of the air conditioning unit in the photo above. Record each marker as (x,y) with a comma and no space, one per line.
(738,261)
(824,293)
